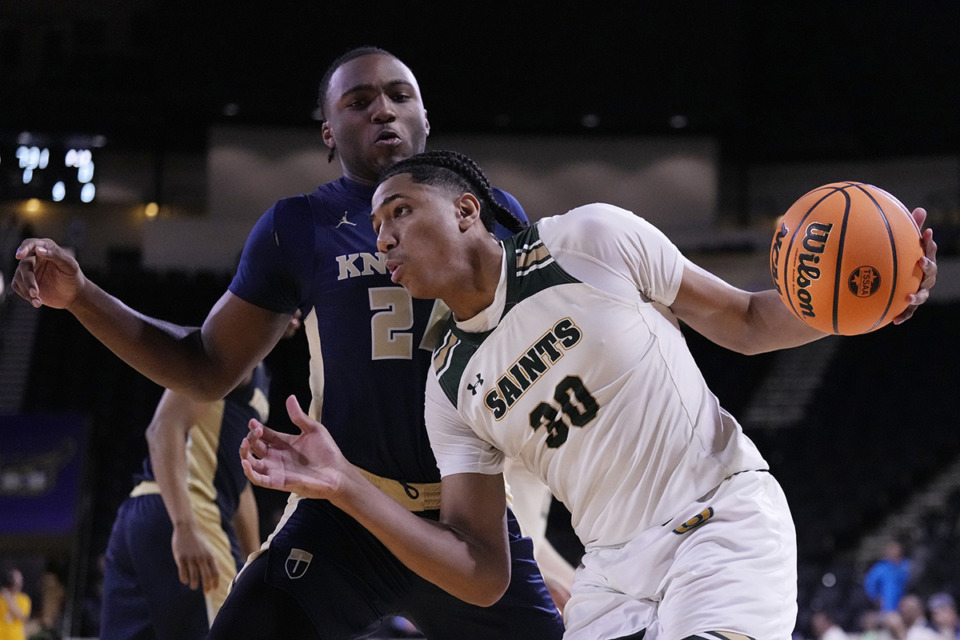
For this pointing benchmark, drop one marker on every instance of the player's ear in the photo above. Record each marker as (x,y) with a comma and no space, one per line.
(326,133)
(468,211)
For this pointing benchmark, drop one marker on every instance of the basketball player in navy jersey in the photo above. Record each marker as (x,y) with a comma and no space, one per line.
(322,574)
(191,497)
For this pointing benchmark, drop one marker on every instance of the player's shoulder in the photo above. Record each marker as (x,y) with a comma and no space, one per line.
(599,213)
(328,196)
(291,208)
(593,222)
(303,202)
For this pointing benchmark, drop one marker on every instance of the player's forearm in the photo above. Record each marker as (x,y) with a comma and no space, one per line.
(770,326)
(168,354)
(168,458)
(466,568)
(744,322)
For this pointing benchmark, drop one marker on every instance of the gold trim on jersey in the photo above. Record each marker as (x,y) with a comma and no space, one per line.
(311,326)
(145,488)
(531,257)
(441,356)
(413,496)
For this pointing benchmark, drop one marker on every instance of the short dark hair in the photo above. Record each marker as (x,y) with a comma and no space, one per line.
(7,578)
(352,54)
(454,170)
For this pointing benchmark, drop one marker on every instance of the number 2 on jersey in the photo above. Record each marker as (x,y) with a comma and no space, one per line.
(390,328)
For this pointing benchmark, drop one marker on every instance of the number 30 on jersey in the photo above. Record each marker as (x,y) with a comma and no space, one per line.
(572,405)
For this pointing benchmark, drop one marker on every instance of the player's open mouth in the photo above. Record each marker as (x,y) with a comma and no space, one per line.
(388,138)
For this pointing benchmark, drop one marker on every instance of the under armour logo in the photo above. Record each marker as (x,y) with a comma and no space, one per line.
(297,563)
(473,387)
(345,221)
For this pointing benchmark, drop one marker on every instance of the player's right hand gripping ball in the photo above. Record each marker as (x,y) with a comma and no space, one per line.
(845,256)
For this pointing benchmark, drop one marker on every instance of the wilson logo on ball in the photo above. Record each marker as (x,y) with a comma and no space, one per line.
(845,256)
(814,241)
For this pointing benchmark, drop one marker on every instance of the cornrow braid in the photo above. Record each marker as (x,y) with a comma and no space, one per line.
(454,170)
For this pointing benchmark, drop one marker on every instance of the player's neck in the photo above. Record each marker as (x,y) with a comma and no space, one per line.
(476,291)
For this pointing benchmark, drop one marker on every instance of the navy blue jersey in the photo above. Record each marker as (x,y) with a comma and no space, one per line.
(318,253)
(322,574)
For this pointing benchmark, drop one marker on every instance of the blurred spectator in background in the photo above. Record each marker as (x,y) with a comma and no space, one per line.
(872,627)
(886,581)
(915,626)
(825,627)
(53,599)
(943,615)
(14,606)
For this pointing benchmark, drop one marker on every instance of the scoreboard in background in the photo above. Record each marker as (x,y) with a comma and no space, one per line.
(58,169)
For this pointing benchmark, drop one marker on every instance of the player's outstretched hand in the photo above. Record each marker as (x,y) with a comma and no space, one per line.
(928,264)
(47,274)
(309,464)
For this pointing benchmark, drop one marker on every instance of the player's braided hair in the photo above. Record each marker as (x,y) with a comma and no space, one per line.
(456,171)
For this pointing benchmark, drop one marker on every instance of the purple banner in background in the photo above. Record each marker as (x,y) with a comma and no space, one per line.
(40,473)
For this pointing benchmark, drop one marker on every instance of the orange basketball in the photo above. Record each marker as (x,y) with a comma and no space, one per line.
(845,257)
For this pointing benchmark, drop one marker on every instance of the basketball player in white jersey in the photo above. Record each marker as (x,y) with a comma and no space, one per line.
(563,352)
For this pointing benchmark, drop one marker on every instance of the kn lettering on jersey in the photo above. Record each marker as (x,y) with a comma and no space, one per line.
(355,265)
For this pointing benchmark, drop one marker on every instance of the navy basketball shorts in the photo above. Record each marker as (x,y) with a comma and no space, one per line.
(325,571)
(142,593)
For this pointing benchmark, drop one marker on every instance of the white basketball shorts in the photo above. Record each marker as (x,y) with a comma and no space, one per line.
(728,562)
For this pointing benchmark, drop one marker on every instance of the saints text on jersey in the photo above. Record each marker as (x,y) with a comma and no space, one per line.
(527,369)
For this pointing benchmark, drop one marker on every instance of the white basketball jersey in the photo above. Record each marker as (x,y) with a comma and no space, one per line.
(576,370)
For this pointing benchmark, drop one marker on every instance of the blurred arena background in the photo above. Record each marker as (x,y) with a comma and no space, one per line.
(149,136)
